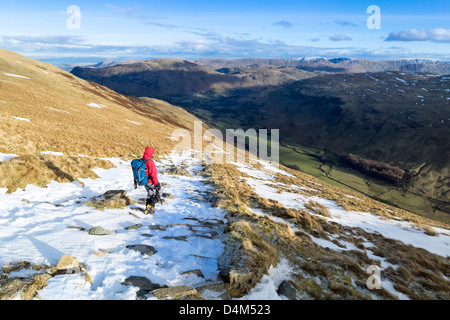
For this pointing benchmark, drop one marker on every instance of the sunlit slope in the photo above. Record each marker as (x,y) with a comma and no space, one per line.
(73,116)
(43,108)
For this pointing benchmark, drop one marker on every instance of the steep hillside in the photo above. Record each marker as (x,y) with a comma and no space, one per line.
(396,118)
(176,78)
(46,109)
(155,78)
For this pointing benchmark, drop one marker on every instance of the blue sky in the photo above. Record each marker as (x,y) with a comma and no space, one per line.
(117,29)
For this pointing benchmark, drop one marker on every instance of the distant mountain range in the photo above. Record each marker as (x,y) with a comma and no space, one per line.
(348,65)
(162,78)
(175,77)
(318,64)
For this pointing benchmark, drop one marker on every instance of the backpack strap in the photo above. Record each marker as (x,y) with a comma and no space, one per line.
(149,176)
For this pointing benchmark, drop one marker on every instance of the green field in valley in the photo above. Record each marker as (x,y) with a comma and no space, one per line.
(334,172)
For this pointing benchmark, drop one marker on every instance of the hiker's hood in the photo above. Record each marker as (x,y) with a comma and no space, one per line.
(148,153)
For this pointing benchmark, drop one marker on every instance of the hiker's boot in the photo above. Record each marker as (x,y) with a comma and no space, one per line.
(149,209)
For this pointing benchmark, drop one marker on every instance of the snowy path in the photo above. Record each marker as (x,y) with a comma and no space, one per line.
(185,231)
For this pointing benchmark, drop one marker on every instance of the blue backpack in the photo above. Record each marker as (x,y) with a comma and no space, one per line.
(140,177)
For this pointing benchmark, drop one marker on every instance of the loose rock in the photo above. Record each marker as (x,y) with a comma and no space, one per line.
(287,289)
(166,195)
(112,199)
(99,231)
(198,272)
(68,265)
(157,227)
(178,171)
(76,228)
(134,227)
(175,293)
(142,248)
(178,238)
(141,282)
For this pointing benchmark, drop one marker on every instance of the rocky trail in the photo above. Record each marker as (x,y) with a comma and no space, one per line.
(86,251)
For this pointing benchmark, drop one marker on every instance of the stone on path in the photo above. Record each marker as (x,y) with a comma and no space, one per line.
(99,231)
(175,293)
(145,285)
(142,248)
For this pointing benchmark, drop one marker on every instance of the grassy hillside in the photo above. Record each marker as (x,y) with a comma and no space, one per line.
(46,109)
(267,226)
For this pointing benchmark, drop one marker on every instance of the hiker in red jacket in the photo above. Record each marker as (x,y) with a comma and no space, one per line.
(153,185)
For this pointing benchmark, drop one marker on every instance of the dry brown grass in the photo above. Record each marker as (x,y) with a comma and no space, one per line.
(112,199)
(317,208)
(322,273)
(417,273)
(39,170)
(56,102)
(263,241)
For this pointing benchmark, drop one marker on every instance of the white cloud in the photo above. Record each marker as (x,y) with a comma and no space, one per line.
(434,35)
(339,37)
(283,23)
(208,45)
(345,23)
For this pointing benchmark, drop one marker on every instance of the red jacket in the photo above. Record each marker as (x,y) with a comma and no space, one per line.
(150,165)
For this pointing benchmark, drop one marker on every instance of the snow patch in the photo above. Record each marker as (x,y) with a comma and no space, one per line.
(401,80)
(22,119)
(267,288)
(53,153)
(134,122)
(57,110)
(7,156)
(405,232)
(14,75)
(96,105)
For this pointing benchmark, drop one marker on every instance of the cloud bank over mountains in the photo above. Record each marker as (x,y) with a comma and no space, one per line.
(433,35)
(209,46)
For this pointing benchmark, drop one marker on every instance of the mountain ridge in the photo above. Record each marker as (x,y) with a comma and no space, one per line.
(348,64)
